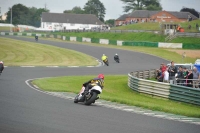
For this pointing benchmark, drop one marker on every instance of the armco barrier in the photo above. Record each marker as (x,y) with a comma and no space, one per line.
(191,46)
(146,44)
(165,90)
(73,39)
(185,94)
(120,43)
(104,41)
(94,40)
(84,39)
(79,39)
(147,74)
(169,45)
(112,42)
(149,87)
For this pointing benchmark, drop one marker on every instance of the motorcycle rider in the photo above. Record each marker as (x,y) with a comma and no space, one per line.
(1,66)
(99,81)
(116,57)
(104,57)
(36,37)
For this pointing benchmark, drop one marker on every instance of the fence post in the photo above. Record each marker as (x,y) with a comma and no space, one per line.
(138,74)
(143,74)
(149,74)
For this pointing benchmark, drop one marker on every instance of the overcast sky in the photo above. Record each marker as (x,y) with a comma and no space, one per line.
(114,8)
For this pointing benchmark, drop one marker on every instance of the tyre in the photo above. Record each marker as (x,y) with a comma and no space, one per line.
(76,99)
(107,63)
(91,99)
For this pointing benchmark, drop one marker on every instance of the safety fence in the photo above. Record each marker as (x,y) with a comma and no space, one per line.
(165,90)
(147,74)
(109,42)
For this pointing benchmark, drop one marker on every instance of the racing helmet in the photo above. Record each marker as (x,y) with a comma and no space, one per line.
(101,76)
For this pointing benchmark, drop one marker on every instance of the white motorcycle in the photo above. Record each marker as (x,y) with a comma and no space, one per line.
(90,97)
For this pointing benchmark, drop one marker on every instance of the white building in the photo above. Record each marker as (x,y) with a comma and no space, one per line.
(68,21)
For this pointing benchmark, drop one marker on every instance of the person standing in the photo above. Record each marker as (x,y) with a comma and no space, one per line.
(172,71)
(196,78)
(180,76)
(189,79)
(166,76)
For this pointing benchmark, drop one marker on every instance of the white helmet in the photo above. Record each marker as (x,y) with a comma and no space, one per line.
(103,54)
(116,54)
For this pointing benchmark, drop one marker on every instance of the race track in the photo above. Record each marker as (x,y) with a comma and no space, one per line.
(24,110)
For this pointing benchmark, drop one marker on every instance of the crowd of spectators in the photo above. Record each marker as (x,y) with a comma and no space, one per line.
(178,75)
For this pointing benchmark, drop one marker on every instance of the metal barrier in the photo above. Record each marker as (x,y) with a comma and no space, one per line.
(165,90)
(147,74)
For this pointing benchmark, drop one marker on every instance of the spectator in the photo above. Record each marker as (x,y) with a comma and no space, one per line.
(189,27)
(159,75)
(166,76)
(189,79)
(180,76)
(163,68)
(172,71)
(197,26)
(185,72)
(196,78)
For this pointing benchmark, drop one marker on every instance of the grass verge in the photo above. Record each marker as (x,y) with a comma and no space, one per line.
(16,53)
(125,36)
(116,90)
(160,52)
(156,26)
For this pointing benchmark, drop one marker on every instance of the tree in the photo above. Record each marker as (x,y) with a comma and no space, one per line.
(37,16)
(76,10)
(24,15)
(191,10)
(132,5)
(95,7)
(19,14)
(110,22)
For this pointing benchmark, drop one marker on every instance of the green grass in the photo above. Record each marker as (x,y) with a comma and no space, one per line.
(156,26)
(139,26)
(116,90)
(119,36)
(142,36)
(16,53)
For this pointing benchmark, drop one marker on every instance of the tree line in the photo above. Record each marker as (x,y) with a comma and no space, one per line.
(32,15)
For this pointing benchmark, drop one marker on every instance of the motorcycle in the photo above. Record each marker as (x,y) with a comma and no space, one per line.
(90,97)
(117,60)
(106,62)
(36,38)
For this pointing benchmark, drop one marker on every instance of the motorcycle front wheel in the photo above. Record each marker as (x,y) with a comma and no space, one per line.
(76,99)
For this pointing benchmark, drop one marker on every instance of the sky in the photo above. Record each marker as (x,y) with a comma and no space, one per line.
(114,8)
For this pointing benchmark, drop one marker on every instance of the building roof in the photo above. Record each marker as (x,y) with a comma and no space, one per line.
(142,14)
(123,17)
(71,18)
(182,15)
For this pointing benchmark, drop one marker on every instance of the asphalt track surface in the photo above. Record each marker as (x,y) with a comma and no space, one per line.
(24,110)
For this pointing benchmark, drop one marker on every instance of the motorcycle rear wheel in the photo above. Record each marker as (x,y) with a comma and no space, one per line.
(92,99)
